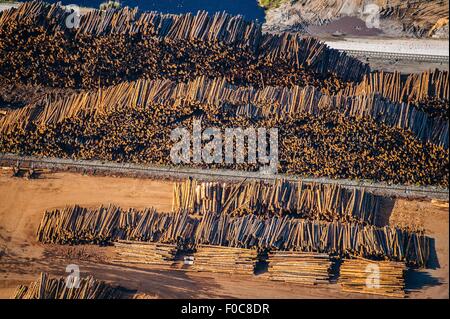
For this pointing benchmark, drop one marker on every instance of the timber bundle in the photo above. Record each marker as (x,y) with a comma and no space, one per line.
(138,252)
(284,233)
(225,259)
(364,101)
(298,267)
(352,129)
(384,278)
(306,200)
(56,288)
(427,90)
(75,225)
(119,45)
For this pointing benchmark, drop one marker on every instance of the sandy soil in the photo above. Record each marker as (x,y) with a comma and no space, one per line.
(22,203)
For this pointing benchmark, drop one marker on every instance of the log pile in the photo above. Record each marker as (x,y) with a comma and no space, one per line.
(132,122)
(298,267)
(55,288)
(135,252)
(385,278)
(75,225)
(362,101)
(307,200)
(429,91)
(224,259)
(304,98)
(121,45)
(343,239)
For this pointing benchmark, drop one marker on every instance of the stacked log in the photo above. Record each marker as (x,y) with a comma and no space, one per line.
(385,278)
(135,252)
(429,90)
(56,288)
(132,122)
(160,44)
(221,259)
(306,200)
(361,102)
(342,239)
(77,225)
(73,225)
(298,267)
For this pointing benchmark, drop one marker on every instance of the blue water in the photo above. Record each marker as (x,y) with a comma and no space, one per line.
(248,8)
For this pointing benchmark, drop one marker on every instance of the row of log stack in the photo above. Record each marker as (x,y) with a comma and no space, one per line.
(221,259)
(218,95)
(429,90)
(385,278)
(342,239)
(46,287)
(364,100)
(299,267)
(307,200)
(74,225)
(119,45)
(328,145)
(138,252)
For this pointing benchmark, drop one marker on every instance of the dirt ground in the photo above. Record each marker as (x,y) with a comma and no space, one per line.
(22,203)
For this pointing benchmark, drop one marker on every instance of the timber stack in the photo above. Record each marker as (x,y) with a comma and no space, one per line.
(300,267)
(135,252)
(429,90)
(282,80)
(366,100)
(336,238)
(78,225)
(56,288)
(75,225)
(306,200)
(224,259)
(366,125)
(173,45)
(385,278)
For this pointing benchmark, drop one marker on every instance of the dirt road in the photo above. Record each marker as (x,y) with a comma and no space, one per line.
(22,203)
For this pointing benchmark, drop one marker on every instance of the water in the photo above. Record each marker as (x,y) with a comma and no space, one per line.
(248,8)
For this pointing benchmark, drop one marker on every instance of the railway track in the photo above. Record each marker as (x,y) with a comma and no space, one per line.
(398,56)
(178,173)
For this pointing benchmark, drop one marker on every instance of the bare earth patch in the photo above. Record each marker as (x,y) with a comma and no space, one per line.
(22,203)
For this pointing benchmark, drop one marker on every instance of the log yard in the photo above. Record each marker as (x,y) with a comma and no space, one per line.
(272,149)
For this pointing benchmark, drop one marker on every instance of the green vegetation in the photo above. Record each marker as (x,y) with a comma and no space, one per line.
(110,5)
(268,4)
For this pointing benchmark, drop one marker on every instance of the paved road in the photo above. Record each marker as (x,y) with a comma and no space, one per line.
(399,56)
